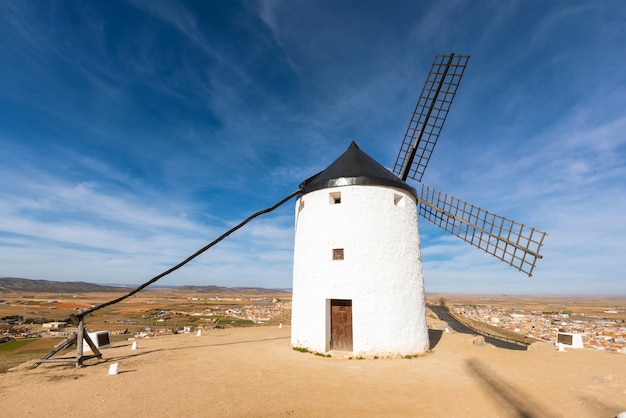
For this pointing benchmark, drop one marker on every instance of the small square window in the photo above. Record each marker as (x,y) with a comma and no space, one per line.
(399,200)
(337,253)
(335,198)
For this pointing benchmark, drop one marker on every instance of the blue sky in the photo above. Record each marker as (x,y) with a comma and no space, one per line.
(134,132)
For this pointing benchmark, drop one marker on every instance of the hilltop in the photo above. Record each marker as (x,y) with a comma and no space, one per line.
(229,290)
(254,372)
(14,284)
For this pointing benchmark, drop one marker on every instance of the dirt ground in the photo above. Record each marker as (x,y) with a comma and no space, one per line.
(253,372)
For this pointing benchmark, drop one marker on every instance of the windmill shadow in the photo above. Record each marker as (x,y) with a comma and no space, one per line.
(434,336)
(506,395)
(600,408)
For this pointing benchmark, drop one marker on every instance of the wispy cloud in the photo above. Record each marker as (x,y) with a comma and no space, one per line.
(122,236)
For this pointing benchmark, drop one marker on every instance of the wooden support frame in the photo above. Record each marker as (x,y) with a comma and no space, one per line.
(76,338)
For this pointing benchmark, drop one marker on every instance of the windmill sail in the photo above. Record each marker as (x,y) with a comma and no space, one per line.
(429,115)
(510,241)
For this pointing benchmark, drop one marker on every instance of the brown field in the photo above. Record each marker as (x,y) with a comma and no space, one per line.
(135,307)
(35,348)
(61,306)
(595,305)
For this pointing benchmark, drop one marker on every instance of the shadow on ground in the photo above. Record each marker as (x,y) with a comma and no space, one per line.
(507,396)
(434,335)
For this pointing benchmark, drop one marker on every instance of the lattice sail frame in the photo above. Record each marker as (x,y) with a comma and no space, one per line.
(429,115)
(510,241)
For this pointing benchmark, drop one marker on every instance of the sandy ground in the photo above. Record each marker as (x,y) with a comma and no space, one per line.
(253,372)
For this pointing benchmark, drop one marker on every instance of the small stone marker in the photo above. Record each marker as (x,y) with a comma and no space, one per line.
(134,346)
(199,333)
(113,369)
(560,347)
(280,325)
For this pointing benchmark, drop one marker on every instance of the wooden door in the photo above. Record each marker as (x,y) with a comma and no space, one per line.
(341,324)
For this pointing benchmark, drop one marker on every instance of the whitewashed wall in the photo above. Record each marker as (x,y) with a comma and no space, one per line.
(381,272)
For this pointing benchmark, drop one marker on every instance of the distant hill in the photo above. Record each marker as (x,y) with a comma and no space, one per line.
(14,284)
(228,290)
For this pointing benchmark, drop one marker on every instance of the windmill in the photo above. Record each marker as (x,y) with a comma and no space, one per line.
(358,282)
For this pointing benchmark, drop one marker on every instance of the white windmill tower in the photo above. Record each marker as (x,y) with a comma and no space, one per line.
(357,283)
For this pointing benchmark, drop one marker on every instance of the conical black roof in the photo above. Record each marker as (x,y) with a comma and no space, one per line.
(354,167)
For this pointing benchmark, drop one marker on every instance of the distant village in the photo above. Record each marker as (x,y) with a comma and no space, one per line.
(602,333)
(598,332)
(259,311)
